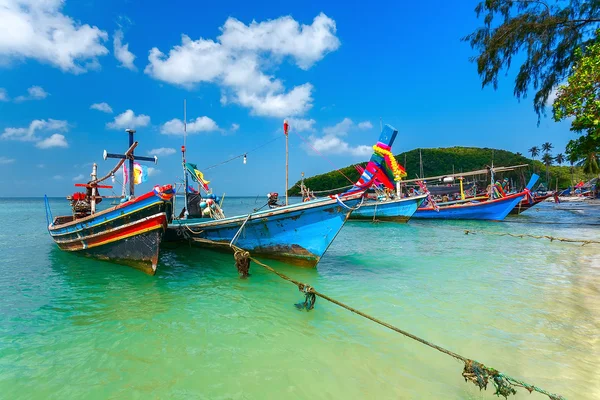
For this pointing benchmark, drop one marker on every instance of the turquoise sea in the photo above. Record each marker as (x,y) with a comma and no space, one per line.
(73,328)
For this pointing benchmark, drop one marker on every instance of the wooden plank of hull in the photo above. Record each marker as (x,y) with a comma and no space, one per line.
(132,237)
(140,251)
(298,234)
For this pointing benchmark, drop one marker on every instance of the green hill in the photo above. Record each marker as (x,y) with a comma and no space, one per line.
(441,161)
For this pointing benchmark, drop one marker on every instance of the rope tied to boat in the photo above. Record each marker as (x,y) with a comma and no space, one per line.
(523,235)
(242,262)
(473,371)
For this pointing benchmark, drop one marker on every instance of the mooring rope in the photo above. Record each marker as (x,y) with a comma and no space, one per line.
(473,371)
(522,235)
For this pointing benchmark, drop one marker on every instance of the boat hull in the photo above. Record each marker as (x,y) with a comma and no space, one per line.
(127,234)
(297,234)
(525,205)
(397,210)
(491,210)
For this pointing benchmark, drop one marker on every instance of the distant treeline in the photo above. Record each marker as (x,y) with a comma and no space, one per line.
(441,161)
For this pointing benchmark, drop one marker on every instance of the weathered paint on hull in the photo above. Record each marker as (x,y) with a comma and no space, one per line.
(128,234)
(398,210)
(491,210)
(297,234)
(139,252)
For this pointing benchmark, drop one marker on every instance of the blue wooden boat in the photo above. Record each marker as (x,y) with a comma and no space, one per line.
(298,233)
(493,209)
(396,210)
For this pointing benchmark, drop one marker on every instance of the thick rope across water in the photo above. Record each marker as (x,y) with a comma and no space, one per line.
(523,235)
(473,371)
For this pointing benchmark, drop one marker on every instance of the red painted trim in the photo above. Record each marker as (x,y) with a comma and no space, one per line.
(153,223)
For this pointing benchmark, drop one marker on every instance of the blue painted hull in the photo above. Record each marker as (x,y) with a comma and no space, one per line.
(493,210)
(397,210)
(298,234)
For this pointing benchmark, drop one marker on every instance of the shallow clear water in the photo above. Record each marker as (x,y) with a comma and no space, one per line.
(77,328)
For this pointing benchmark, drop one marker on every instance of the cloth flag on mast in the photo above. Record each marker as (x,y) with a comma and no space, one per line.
(196,175)
(140,173)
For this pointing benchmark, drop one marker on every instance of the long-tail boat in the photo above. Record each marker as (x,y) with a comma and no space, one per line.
(297,234)
(478,208)
(128,233)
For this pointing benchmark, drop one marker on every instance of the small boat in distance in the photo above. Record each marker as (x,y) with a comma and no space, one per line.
(478,208)
(128,233)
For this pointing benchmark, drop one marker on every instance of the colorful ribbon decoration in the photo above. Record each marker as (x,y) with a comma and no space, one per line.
(397,170)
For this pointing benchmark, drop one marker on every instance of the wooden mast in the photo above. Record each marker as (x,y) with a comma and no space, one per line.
(185,173)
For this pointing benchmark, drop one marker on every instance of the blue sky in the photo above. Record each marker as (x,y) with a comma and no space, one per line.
(75,74)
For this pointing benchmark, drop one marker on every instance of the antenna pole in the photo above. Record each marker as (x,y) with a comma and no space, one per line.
(185,174)
(131,158)
(287,155)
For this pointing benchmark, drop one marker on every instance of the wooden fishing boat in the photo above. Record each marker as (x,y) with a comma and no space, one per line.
(298,234)
(527,203)
(128,233)
(490,209)
(395,210)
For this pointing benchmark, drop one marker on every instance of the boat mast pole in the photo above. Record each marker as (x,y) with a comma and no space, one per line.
(131,158)
(185,175)
(285,130)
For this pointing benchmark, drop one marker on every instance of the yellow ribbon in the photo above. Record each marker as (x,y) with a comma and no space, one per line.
(389,157)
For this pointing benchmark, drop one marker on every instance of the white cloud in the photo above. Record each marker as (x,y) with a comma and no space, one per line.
(163,151)
(128,120)
(122,52)
(29,134)
(39,30)
(236,62)
(33,93)
(365,125)
(56,140)
(339,129)
(301,125)
(331,142)
(78,177)
(3,95)
(104,107)
(153,171)
(283,36)
(200,124)
(234,127)
(6,160)
(58,177)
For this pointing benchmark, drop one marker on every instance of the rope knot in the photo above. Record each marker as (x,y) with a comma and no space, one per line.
(242,262)
(309,297)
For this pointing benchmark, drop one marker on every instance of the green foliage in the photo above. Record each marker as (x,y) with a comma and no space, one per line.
(580,97)
(545,36)
(534,151)
(441,161)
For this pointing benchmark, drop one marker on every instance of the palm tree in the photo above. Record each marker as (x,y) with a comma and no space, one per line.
(547,160)
(519,154)
(560,158)
(547,147)
(535,151)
